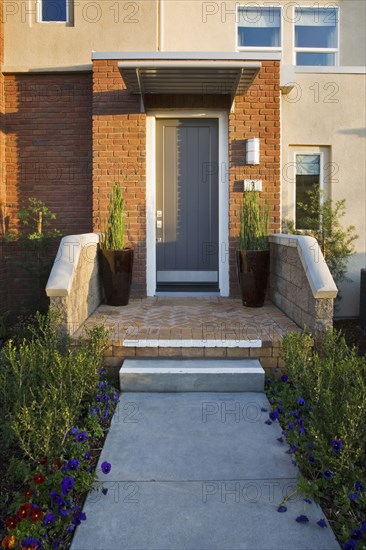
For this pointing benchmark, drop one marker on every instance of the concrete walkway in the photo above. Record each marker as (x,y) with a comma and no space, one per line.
(197,471)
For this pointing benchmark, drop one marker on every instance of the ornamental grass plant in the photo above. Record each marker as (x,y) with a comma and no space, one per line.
(320,403)
(113,237)
(254,222)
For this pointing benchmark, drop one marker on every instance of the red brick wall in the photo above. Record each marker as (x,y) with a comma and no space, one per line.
(49,147)
(257,114)
(2,163)
(119,145)
(119,155)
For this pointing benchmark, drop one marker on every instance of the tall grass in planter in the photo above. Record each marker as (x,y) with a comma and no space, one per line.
(113,237)
(253,253)
(116,261)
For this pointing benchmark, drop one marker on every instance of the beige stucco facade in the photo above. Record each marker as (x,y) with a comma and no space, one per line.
(321,111)
(326,113)
(153,25)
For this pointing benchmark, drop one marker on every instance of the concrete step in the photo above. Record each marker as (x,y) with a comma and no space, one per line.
(188,375)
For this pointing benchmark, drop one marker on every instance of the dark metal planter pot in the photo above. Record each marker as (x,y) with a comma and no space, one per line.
(116,272)
(253,271)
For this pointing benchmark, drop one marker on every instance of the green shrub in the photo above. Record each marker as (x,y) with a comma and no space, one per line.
(322,221)
(322,402)
(44,385)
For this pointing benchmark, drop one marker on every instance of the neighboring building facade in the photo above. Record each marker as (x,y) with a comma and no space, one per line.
(163,96)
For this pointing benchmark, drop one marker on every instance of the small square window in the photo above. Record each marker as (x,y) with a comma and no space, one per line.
(54,10)
(259,27)
(307,180)
(316,36)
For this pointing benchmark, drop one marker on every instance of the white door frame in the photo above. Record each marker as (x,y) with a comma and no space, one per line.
(223,161)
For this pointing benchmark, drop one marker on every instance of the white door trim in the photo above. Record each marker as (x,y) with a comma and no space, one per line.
(223,135)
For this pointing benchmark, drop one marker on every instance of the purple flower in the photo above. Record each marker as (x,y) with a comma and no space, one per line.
(56,544)
(74,431)
(31,541)
(268,422)
(87,455)
(49,519)
(357,534)
(63,513)
(301,403)
(328,474)
(290,426)
(273,415)
(57,498)
(282,509)
(322,523)
(102,371)
(353,496)
(70,528)
(280,410)
(104,490)
(73,464)
(363,525)
(302,519)
(337,445)
(264,409)
(81,437)
(359,486)
(310,458)
(67,484)
(102,384)
(284,378)
(349,545)
(106,467)
(280,439)
(308,500)
(78,518)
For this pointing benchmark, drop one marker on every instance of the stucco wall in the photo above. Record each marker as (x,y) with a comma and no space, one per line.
(328,110)
(100,26)
(185,25)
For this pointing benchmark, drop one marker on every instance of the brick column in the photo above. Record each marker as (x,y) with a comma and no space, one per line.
(257,114)
(119,156)
(2,129)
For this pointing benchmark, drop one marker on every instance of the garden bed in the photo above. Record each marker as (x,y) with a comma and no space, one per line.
(56,404)
(319,400)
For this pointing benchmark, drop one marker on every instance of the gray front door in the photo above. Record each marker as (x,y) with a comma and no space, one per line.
(187,204)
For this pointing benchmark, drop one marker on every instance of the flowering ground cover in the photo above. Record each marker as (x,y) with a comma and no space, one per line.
(56,404)
(320,401)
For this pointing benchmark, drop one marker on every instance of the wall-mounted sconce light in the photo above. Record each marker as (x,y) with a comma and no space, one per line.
(252,151)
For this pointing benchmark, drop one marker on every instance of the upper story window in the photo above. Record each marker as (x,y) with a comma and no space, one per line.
(54,11)
(316,36)
(259,28)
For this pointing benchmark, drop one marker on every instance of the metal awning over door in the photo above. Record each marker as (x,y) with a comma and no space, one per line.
(183,73)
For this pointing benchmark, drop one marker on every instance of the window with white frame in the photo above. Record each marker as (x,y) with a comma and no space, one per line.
(316,36)
(53,11)
(259,28)
(308,179)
